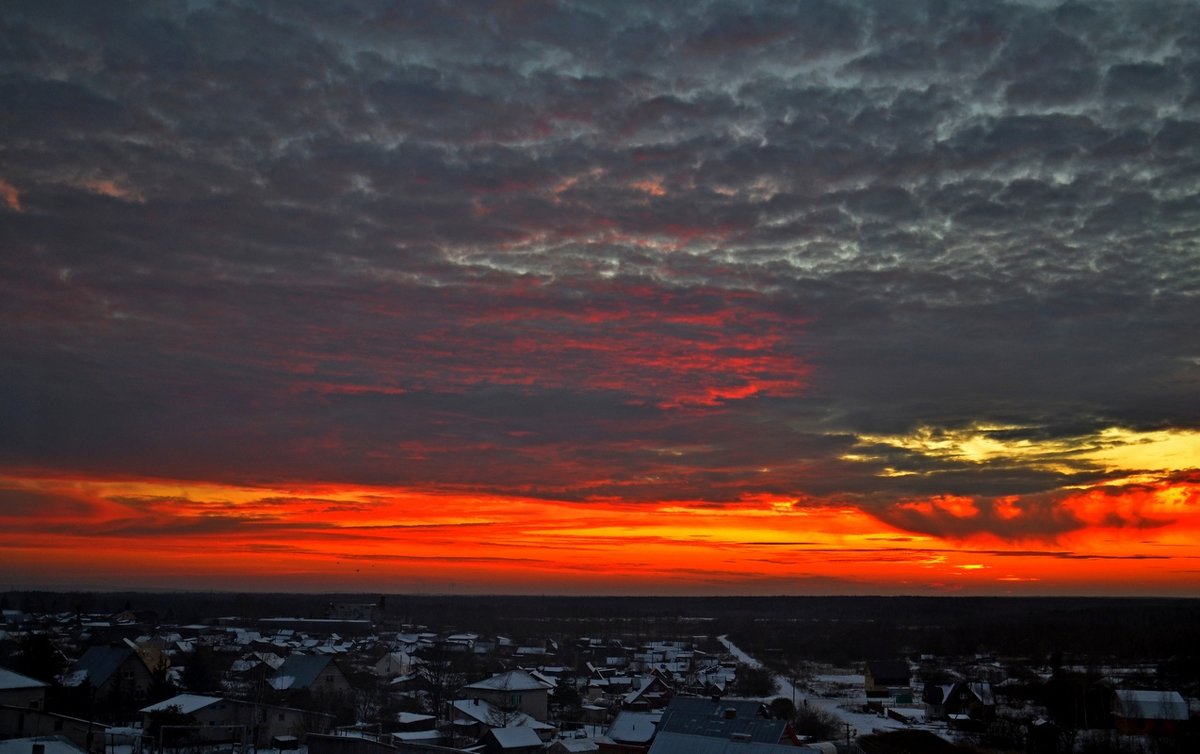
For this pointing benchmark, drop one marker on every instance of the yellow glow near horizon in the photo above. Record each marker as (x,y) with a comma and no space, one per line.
(1111,449)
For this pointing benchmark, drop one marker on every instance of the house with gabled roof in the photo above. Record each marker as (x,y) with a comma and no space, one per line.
(652,692)
(21,691)
(733,719)
(111,671)
(515,690)
(972,700)
(222,719)
(470,719)
(630,732)
(317,674)
(394,664)
(1138,711)
(519,740)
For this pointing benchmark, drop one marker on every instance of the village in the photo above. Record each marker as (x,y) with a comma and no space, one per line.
(353,681)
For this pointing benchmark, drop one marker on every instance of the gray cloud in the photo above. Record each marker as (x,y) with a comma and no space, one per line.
(363,241)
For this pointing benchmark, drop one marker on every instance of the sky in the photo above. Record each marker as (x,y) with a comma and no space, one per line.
(826,297)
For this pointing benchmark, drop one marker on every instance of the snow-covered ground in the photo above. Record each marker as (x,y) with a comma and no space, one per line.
(844,705)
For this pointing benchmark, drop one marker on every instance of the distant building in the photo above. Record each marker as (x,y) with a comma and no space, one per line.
(964,699)
(653,693)
(1148,712)
(887,677)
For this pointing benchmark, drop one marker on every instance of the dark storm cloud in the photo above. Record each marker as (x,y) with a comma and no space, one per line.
(595,249)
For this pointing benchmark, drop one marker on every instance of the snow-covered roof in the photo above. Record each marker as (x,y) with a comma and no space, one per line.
(685,743)
(1150,705)
(186,703)
(472,711)
(417,735)
(51,745)
(634,727)
(516,738)
(10,679)
(408,718)
(513,680)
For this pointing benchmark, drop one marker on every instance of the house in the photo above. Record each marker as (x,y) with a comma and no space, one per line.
(631,732)
(221,719)
(471,719)
(653,693)
(963,699)
(685,743)
(1149,712)
(886,677)
(111,672)
(41,745)
(214,718)
(393,664)
(21,691)
(512,741)
(732,719)
(722,726)
(515,690)
(573,746)
(317,674)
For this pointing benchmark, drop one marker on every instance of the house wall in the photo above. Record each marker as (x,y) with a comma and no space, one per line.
(1139,726)
(32,698)
(131,680)
(286,721)
(19,722)
(533,703)
(331,681)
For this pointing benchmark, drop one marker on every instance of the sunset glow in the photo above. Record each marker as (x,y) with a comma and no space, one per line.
(167,533)
(740,298)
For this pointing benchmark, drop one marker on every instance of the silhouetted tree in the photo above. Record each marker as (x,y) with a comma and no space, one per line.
(566,702)
(38,658)
(444,672)
(754,681)
(816,724)
(782,708)
(200,673)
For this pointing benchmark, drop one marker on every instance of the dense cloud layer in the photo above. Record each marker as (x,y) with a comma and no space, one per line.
(599,250)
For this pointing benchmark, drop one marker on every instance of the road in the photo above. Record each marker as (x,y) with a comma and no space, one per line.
(861,722)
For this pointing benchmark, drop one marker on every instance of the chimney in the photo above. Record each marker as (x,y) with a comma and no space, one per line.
(39,749)
(730,713)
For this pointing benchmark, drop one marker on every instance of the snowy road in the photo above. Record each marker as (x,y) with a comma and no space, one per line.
(858,721)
